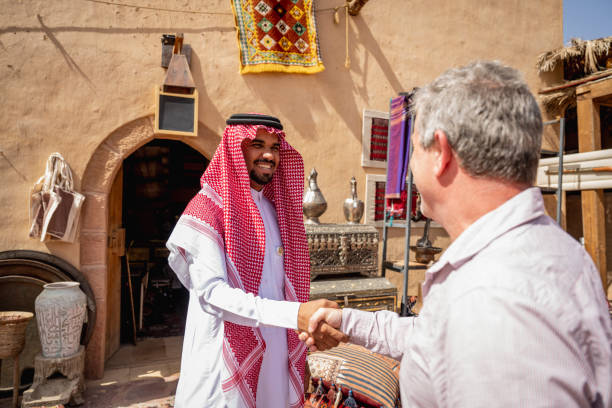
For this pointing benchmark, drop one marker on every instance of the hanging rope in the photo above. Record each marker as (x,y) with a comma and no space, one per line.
(214,12)
(347,61)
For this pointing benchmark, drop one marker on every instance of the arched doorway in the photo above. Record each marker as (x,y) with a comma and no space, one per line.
(159,179)
(98,261)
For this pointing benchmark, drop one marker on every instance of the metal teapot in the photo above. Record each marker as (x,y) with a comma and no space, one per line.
(313,204)
(353,206)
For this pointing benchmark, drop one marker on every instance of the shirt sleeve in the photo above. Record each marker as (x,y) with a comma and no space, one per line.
(209,282)
(383,332)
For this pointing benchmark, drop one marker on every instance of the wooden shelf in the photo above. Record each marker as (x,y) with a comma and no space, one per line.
(398,266)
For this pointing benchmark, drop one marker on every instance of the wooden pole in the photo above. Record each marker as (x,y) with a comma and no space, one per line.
(127,261)
(593,205)
(16,380)
(576,82)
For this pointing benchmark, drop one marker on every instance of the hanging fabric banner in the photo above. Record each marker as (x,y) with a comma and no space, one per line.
(398,147)
(277,36)
(398,151)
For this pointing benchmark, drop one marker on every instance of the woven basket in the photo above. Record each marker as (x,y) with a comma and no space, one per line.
(12,332)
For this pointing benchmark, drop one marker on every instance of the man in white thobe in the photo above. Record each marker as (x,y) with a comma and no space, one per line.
(240,250)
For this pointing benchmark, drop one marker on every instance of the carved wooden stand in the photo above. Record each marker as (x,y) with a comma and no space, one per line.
(54,391)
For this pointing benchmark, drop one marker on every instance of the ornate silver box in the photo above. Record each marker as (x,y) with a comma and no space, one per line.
(342,248)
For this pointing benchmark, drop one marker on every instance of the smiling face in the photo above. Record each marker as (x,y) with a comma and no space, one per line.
(262,157)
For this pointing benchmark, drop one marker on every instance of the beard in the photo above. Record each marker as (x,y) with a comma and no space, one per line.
(261,179)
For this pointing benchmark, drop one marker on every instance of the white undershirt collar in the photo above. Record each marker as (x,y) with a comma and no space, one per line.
(257,195)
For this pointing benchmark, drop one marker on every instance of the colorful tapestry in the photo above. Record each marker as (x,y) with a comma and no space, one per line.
(277,36)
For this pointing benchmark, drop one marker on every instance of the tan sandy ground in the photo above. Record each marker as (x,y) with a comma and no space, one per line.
(142,376)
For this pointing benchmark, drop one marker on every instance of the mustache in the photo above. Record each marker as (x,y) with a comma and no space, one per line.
(265,161)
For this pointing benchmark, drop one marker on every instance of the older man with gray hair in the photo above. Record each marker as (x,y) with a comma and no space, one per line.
(514,312)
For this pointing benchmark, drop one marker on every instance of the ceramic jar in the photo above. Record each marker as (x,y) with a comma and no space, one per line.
(61,309)
(353,206)
(314,204)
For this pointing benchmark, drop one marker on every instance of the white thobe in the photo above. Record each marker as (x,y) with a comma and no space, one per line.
(212,301)
(273,385)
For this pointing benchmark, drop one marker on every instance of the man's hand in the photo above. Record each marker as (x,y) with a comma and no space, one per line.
(315,332)
(322,318)
(309,308)
(332,316)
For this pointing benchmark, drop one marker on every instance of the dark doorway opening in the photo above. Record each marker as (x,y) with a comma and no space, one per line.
(159,180)
(571,130)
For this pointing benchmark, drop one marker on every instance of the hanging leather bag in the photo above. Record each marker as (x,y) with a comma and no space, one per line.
(57,215)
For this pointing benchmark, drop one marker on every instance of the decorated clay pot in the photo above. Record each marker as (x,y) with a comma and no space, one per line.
(60,313)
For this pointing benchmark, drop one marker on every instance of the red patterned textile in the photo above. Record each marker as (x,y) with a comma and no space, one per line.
(237,219)
(378,139)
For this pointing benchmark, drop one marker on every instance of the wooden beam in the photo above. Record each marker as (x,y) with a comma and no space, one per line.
(354,6)
(563,209)
(593,208)
(576,82)
(598,89)
(594,230)
(113,261)
(589,129)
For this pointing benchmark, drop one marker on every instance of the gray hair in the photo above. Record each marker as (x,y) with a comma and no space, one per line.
(489,116)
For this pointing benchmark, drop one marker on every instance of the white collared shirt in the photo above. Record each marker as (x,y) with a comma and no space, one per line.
(514,315)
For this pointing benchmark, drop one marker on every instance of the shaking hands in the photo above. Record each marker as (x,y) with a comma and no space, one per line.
(318,324)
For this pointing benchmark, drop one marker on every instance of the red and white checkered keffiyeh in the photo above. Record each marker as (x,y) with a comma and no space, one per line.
(225,203)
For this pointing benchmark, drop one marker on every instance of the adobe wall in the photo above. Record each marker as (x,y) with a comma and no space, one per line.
(75,77)
(70,75)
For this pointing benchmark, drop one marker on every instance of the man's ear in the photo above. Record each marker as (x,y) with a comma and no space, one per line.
(444,152)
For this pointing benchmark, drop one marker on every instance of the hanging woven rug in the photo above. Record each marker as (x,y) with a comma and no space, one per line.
(277,36)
